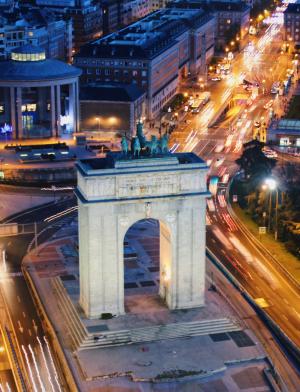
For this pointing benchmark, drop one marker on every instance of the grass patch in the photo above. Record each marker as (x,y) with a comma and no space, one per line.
(276,248)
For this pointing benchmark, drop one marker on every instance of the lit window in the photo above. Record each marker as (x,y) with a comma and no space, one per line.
(228,21)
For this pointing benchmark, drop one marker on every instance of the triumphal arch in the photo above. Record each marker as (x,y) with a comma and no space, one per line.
(116,191)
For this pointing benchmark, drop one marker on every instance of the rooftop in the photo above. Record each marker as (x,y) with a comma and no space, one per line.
(293,8)
(212,6)
(117,161)
(147,37)
(29,63)
(111,92)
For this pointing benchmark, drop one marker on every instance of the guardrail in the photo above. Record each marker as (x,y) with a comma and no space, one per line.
(56,341)
(15,358)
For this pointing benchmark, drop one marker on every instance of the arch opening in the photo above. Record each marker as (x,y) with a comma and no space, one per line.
(147,266)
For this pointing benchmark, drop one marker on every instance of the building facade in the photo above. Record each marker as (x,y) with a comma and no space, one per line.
(38,96)
(37,27)
(153,53)
(292,24)
(232,17)
(111,107)
(85,16)
(117,14)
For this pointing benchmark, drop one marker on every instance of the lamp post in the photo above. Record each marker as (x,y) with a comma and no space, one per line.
(98,122)
(271,184)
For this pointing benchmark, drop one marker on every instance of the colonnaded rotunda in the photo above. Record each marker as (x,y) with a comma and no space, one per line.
(38,96)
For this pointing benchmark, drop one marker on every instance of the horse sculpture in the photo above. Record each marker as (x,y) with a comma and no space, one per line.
(136,148)
(152,145)
(124,145)
(164,143)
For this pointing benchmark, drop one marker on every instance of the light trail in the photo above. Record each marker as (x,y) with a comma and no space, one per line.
(29,368)
(52,363)
(45,361)
(60,214)
(36,369)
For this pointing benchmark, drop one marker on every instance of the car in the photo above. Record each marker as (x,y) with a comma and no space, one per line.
(269,104)
(216,78)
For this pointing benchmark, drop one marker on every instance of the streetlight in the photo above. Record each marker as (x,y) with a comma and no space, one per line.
(263,82)
(98,122)
(271,184)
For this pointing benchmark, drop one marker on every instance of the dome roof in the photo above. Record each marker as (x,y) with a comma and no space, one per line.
(49,69)
(29,63)
(28,49)
(28,53)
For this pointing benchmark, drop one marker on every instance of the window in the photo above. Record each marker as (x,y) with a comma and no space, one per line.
(98,71)
(144,73)
(134,73)
(107,72)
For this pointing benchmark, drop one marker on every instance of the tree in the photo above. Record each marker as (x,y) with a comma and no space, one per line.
(254,163)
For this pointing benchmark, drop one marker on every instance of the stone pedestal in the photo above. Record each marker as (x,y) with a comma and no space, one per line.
(114,193)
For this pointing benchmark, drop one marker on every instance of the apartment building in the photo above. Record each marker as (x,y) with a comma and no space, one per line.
(37,27)
(153,53)
(85,15)
(292,24)
(230,15)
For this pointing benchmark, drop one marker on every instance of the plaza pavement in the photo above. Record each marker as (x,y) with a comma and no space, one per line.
(221,363)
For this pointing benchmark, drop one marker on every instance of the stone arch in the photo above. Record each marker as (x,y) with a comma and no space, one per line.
(164,253)
(113,194)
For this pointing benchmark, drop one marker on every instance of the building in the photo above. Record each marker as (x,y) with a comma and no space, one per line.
(232,18)
(153,53)
(119,13)
(38,96)
(285,134)
(292,24)
(115,192)
(85,15)
(111,107)
(37,27)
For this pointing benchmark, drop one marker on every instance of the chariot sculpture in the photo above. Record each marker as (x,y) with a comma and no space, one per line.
(139,145)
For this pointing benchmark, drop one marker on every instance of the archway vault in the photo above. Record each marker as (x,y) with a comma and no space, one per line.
(112,198)
(147,264)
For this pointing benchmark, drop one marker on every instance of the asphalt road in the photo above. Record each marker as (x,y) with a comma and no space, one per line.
(220,146)
(34,347)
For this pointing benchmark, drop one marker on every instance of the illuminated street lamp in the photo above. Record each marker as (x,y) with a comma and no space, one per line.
(98,122)
(263,82)
(271,185)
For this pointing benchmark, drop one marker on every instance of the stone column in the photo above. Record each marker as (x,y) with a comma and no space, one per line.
(42,109)
(19,113)
(58,111)
(72,106)
(77,107)
(13,111)
(52,108)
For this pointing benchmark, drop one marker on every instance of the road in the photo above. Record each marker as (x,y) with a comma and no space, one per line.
(220,146)
(34,349)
